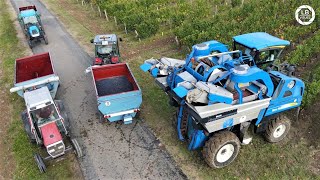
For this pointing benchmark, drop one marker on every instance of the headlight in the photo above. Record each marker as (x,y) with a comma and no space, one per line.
(291,84)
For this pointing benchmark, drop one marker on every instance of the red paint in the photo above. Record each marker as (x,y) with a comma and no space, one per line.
(27,7)
(98,61)
(112,70)
(115,59)
(50,134)
(32,67)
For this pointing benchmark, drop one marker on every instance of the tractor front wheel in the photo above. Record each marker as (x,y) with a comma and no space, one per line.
(42,167)
(221,149)
(277,129)
(76,148)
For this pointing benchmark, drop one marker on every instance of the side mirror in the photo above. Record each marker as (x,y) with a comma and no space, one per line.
(91,40)
(120,39)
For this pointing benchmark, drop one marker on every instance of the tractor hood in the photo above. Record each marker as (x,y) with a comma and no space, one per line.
(50,134)
(34,31)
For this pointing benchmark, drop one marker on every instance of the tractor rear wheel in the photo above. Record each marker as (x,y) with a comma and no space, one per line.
(27,127)
(45,40)
(221,149)
(77,148)
(277,129)
(30,44)
(42,167)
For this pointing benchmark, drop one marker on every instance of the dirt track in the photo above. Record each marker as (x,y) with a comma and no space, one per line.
(112,151)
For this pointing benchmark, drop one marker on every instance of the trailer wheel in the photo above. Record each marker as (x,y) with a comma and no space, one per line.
(42,167)
(277,129)
(221,149)
(77,148)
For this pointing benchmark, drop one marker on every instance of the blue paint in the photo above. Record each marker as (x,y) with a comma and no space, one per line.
(145,67)
(214,98)
(179,118)
(198,140)
(154,72)
(52,86)
(34,28)
(236,87)
(28,13)
(227,123)
(254,74)
(119,102)
(260,116)
(259,40)
(181,91)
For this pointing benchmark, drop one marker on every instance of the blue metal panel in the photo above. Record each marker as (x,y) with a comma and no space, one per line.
(198,140)
(119,102)
(214,98)
(28,13)
(33,28)
(260,40)
(145,67)
(260,116)
(154,72)
(181,91)
(52,86)
(254,74)
(279,102)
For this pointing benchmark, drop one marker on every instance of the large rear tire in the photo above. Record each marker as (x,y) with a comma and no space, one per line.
(45,39)
(221,149)
(77,148)
(42,167)
(277,129)
(27,127)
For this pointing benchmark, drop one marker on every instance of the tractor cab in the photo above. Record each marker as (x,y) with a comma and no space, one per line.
(45,121)
(30,20)
(260,48)
(106,49)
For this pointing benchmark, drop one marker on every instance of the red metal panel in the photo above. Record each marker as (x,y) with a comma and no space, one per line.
(27,7)
(112,70)
(50,134)
(32,67)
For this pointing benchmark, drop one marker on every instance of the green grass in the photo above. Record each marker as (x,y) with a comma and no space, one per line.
(17,141)
(259,160)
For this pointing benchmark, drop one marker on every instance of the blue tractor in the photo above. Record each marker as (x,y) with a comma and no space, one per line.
(220,93)
(30,22)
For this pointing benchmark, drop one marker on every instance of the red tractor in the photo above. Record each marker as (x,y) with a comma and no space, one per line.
(45,120)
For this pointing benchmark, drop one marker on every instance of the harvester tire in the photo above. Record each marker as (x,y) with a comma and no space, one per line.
(221,149)
(77,148)
(277,129)
(42,167)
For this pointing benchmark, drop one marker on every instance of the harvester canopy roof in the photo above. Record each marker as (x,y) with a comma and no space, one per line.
(260,40)
(106,37)
(28,13)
